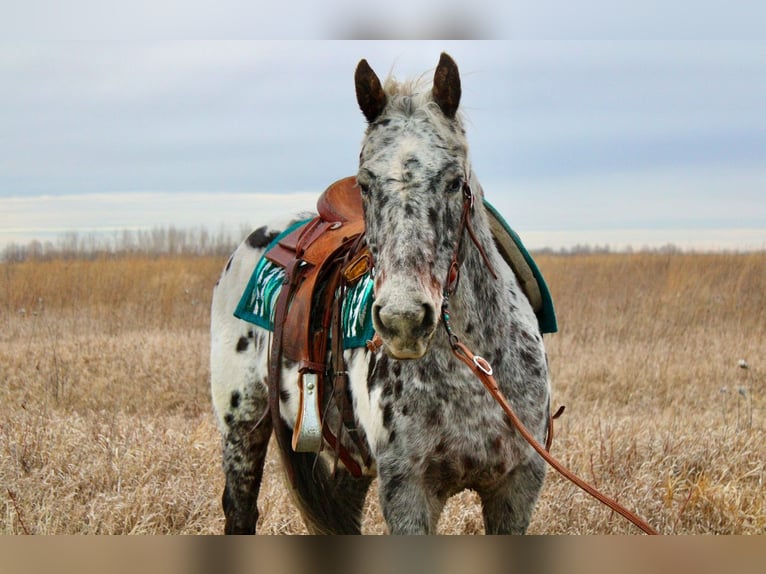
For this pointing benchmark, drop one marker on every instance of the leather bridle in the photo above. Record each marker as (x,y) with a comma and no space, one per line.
(483,369)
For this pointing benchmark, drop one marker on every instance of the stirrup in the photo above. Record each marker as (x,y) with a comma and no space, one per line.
(307,434)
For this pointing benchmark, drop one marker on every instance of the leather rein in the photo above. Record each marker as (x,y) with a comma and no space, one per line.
(483,370)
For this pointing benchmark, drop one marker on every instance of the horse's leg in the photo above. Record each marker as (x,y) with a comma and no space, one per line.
(328,505)
(508,508)
(407,507)
(244,454)
(240,399)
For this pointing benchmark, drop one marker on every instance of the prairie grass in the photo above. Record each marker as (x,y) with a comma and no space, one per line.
(106,424)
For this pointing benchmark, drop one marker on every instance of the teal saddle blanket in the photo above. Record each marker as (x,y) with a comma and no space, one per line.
(258,301)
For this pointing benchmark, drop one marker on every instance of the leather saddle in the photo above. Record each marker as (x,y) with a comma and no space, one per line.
(320,259)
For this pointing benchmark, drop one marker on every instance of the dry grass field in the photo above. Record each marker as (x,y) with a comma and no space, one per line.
(106,424)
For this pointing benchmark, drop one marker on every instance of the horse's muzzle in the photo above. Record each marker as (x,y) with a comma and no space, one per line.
(405,325)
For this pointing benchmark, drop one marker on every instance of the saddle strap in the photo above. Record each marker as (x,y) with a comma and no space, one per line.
(483,371)
(298,271)
(349,272)
(283,434)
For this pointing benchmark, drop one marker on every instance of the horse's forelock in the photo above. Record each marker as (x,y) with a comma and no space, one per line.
(413,97)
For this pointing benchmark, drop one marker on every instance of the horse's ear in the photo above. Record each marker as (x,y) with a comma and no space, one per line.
(369,92)
(446,90)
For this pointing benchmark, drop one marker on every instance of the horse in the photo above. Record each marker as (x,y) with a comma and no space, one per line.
(430,427)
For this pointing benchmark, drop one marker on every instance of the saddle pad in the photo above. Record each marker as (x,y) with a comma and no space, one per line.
(524,267)
(258,302)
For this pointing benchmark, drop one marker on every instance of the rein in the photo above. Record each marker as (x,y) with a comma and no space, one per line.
(483,371)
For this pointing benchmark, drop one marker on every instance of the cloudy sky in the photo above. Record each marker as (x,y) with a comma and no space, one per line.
(641,141)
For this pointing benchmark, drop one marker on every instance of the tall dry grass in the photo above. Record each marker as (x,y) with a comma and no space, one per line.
(106,425)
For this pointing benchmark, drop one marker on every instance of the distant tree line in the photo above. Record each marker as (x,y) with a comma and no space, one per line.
(587,249)
(200,241)
(155,242)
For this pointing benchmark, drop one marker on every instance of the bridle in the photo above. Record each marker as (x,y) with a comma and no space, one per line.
(484,372)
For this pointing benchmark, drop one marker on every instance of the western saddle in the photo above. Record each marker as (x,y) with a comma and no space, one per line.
(321,259)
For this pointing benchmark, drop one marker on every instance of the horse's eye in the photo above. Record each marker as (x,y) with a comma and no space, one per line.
(364,188)
(455,185)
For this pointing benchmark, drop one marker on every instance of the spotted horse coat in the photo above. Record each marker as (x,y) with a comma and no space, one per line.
(432,428)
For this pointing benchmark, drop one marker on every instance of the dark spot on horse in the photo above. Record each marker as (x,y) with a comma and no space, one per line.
(433,217)
(425,372)
(406,410)
(412,163)
(392,485)
(531,361)
(237,458)
(440,474)
(398,388)
(391,436)
(235,398)
(409,210)
(250,334)
(397,369)
(469,328)
(528,358)
(242,344)
(497,444)
(284,395)
(500,468)
(434,417)
(526,335)
(260,238)
(378,371)
(388,389)
(440,447)
(469,462)
(228,264)
(443,393)
(388,415)
(228,419)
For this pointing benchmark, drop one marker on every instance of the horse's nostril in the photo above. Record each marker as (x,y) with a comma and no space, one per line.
(376,314)
(429,318)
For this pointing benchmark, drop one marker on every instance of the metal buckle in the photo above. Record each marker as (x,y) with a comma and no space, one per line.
(483,365)
(468,194)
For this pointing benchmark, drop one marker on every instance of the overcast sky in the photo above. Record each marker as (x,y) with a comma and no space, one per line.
(574,141)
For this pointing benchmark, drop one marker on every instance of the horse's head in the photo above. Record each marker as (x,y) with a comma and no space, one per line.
(412,172)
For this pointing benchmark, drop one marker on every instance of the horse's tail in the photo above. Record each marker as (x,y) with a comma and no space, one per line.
(329,505)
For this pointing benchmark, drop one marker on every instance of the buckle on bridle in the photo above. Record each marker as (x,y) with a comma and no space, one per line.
(483,365)
(468,194)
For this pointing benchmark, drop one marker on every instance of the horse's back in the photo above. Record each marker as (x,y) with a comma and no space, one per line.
(238,349)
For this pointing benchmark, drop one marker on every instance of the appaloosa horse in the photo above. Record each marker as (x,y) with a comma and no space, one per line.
(431,427)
